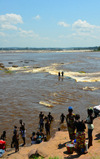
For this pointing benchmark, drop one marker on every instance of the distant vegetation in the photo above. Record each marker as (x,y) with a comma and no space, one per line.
(98,48)
(95,48)
(51,49)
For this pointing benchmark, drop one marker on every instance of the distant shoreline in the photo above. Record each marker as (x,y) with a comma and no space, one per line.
(44,51)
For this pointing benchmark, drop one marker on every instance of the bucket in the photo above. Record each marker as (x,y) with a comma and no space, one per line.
(70,148)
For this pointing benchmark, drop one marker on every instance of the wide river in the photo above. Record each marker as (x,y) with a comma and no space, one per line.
(34,86)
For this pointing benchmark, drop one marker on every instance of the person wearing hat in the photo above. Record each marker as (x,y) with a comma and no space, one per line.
(70,118)
(89,122)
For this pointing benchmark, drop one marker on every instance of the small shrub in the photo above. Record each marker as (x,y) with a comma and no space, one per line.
(36,156)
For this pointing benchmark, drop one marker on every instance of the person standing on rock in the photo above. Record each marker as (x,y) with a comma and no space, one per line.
(41,122)
(50,117)
(89,121)
(80,135)
(62,73)
(62,117)
(15,141)
(23,133)
(47,127)
(70,118)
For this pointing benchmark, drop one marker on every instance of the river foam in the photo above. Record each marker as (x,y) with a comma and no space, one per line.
(53,70)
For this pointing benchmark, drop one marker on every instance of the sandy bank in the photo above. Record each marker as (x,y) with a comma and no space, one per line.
(44,51)
(56,147)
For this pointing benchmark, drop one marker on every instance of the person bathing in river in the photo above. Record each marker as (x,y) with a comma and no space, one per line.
(41,115)
(62,73)
(70,118)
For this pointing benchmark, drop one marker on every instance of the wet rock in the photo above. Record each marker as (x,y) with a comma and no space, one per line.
(36,67)
(10,62)
(14,65)
(2,65)
(26,61)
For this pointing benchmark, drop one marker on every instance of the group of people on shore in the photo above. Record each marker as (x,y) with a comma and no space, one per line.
(44,123)
(36,137)
(76,129)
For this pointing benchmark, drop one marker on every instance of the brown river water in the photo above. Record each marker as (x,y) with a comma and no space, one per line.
(34,86)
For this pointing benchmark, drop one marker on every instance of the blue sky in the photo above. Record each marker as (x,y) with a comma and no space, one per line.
(49,23)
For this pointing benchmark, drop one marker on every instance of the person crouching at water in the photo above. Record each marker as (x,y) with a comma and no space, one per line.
(89,121)
(80,135)
(70,118)
(33,138)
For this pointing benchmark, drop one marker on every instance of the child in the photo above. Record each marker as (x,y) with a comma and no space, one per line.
(33,138)
(62,118)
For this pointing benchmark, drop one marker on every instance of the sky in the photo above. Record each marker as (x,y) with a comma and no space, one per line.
(49,23)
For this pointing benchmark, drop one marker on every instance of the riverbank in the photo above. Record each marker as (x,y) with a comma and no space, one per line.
(56,147)
(46,50)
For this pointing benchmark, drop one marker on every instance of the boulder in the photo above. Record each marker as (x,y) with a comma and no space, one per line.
(2,65)
(14,65)
(10,62)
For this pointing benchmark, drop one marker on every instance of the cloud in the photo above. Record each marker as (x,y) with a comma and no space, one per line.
(84,26)
(2,34)
(37,17)
(11,18)
(63,24)
(9,21)
(28,33)
(8,27)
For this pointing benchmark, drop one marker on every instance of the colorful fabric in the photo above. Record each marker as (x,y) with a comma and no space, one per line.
(2,144)
(70,124)
(80,140)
